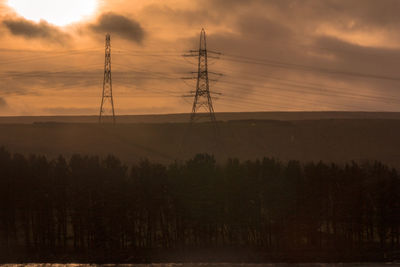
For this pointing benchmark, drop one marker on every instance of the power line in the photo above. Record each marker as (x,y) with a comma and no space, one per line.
(277,84)
(285,65)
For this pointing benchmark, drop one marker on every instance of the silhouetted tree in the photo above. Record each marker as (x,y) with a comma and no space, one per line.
(100,206)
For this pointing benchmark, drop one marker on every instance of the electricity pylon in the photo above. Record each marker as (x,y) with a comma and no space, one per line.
(203,108)
(107,97)
(202,95)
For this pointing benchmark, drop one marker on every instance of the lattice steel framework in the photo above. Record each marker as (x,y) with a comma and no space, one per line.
(202,96)
(107,97)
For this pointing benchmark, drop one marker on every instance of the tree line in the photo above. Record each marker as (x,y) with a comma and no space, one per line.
(88,203)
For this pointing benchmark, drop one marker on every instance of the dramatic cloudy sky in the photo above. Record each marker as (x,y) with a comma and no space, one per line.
(280,55)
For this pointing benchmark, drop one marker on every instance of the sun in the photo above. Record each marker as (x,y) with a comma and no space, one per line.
(57,12)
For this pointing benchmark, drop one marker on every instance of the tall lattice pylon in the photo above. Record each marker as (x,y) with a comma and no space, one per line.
(202,95)
(203,109)
(107,100)
(203,102)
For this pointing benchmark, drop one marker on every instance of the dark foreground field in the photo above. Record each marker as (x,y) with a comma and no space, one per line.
(332,137)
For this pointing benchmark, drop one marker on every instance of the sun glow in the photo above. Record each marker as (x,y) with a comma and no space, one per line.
(57,12)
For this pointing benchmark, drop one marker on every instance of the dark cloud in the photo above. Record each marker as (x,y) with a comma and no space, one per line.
(120,25)
(262,28)
(31,30)
(183,17)
(229,4)
(348,15)
(364,13)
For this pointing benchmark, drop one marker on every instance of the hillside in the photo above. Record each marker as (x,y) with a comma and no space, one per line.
(183,118)
(337,137)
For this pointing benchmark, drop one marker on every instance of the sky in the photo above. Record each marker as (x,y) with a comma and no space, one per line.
(277,55)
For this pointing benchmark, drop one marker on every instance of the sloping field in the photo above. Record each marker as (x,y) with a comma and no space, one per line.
(183,118)
(335,139)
